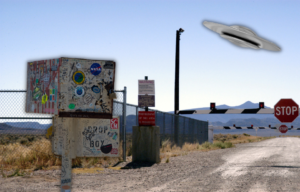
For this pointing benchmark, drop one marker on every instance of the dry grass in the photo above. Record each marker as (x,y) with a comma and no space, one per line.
(16,157)
(24,154)
(239,138)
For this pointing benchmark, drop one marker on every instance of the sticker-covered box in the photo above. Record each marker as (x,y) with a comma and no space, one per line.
(88,137)
(71,87)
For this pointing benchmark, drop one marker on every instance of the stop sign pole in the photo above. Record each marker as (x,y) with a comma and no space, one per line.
(286,110)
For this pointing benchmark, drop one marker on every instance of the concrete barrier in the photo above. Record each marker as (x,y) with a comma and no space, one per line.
(146,144)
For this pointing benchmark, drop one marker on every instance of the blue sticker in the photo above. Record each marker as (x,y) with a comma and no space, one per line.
(79,91)
(96,89)
(95,68)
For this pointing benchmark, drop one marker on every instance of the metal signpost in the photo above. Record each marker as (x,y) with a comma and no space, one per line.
(79,92)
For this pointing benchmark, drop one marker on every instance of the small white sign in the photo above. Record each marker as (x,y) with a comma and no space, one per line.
(146,87)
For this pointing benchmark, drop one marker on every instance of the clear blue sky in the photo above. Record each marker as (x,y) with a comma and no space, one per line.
(140,37)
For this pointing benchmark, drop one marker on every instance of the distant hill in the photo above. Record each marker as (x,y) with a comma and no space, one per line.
(7,129)
(34,125)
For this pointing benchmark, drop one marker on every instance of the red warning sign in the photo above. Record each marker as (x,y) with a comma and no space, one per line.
(146,118)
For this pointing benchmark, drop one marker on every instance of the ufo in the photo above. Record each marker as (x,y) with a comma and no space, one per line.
(241,36)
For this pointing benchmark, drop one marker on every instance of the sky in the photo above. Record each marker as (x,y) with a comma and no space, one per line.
(140,36)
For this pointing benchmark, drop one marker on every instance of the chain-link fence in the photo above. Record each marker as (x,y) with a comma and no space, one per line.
(19,130)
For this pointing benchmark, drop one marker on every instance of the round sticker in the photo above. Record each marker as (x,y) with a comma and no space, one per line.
(71,106)
(95,68)
(79,91)
(78,77)
(96,89)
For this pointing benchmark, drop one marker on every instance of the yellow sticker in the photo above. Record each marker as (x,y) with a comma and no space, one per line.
(49,132)
(44,99)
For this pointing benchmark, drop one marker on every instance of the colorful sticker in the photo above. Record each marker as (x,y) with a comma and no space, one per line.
(66,187)
(114,123)
(96,89)
(71,106)
(79,91)
(54,68)
(115,136)
(88,98)
(78,77)
(44,99)
(78,65)
(52,98)
(114,151)
(95,68)
(106,148)
(36,93)
(109,65)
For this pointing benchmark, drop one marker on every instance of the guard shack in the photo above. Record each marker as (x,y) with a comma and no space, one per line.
(79,93)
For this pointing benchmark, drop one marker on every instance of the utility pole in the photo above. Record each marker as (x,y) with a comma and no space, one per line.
(176,99)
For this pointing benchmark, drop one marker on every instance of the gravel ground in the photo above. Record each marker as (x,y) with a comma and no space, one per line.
(270,165)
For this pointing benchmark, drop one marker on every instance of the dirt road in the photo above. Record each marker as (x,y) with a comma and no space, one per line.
(270,165)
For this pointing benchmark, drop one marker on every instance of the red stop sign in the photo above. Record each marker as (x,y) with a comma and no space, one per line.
(286,110)
(283,128)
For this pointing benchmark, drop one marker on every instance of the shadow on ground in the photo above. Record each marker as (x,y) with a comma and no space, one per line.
(135,165)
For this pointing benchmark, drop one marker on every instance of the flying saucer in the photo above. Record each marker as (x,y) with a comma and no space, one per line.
(241,36)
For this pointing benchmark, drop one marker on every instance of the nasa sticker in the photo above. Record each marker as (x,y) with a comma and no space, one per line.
(96,89)
(95,68)
(79,91)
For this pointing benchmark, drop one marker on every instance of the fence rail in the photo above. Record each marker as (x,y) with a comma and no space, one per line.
(14,120)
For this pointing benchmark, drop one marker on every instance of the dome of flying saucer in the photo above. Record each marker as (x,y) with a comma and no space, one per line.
(241,36)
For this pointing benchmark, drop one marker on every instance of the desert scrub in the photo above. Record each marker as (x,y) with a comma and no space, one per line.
(235,136)
(206,145)
(222,145)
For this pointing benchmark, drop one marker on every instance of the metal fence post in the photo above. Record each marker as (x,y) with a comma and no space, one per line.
(164,127)
(136,116)
(183,134)
(176,130)
(124,124)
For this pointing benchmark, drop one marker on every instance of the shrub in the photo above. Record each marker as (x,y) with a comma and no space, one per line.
(245,134)
(167,161)
(228,144)
(219,145)
(23,141)
(206,145)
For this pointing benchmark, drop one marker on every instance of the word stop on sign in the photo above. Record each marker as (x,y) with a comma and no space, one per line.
(283,110)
